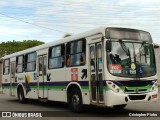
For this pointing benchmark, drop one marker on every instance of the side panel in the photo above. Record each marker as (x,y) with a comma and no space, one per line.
(56,84)
(77,71)
(79,75)
(31,85)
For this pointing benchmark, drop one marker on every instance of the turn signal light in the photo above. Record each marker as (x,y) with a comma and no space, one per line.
(154,96)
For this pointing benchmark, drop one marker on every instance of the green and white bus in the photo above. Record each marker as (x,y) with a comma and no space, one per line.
(107,66)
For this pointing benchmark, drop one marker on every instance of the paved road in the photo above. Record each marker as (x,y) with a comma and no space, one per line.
(59,110)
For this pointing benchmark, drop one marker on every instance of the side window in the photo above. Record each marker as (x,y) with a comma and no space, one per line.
(92,56)
(42,65)
(6,67)
(13,69)
(56,56)
(99,47)
(45,65)
(30,60)
(76,53)
(19,64)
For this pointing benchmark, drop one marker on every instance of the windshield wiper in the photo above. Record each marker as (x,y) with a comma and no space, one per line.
(125,49)
(142,45)
(143,51)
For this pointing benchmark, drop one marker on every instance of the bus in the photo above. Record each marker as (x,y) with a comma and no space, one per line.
(107,66)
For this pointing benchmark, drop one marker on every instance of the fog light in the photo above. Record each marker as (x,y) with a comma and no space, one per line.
(154,96)
(149,98)
(126,99)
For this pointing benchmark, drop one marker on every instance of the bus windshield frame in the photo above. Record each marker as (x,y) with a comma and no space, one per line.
(138,50)
(131,60)
(128,34)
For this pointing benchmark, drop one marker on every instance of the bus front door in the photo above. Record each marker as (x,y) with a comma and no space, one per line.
(42,64)
(96,72)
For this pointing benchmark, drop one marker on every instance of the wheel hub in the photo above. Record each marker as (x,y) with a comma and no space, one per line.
(75,99)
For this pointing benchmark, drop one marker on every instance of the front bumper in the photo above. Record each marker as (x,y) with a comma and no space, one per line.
(112,98)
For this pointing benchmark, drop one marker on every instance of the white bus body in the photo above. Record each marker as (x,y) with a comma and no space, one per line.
(44,72)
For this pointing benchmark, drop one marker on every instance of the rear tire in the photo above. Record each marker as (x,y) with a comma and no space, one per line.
(21,97)
(75,100)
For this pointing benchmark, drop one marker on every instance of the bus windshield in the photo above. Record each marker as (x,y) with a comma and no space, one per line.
(128,59)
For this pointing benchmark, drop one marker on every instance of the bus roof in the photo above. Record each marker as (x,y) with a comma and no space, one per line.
(99,30)
(60,41)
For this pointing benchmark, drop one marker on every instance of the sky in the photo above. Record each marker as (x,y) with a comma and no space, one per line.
(49,20)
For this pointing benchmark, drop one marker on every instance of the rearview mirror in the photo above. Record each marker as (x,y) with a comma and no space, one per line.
(108,45)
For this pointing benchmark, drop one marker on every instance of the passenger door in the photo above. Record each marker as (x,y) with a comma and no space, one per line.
(42,74)
(12,77)
(96,72)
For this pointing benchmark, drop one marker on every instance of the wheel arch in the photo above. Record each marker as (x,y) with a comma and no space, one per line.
(72,86)
(19,86)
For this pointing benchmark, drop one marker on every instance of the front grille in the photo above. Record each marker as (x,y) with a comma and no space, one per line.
(137,97)
(140,90)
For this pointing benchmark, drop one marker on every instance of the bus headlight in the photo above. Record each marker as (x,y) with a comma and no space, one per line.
(114,87)
(154,86)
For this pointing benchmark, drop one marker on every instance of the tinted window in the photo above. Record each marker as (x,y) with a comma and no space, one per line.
(56,56)
(6,67)
(19,64)
(76,53)
(31,62)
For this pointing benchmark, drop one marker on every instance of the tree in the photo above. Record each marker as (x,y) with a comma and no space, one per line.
(15,46)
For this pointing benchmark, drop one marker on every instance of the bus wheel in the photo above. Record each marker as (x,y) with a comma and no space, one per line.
(119,107)
(21,96)
(75,100)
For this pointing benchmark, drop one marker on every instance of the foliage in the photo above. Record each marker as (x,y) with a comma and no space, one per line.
(15,46)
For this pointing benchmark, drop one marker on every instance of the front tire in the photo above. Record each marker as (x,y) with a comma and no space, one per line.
(75,100)
(21,97)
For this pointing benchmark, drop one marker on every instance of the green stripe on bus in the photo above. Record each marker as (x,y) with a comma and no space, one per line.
(48,87)
(106,88)
(58,87)
(85,88)
(134,87)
